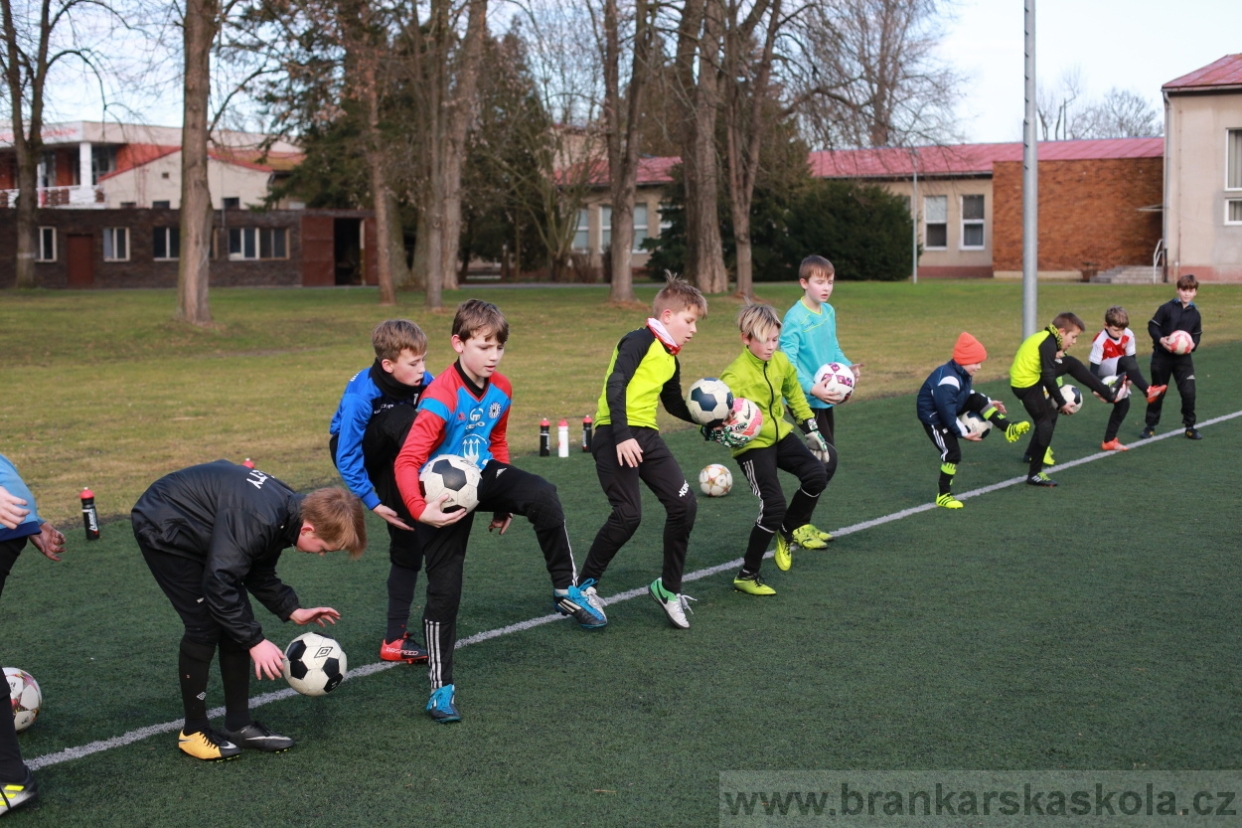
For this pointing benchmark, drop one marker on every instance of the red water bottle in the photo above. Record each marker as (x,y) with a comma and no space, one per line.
(248,463)
(545,438)
(90,517)
(587,425)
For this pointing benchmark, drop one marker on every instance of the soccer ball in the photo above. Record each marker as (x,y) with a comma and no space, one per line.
(1181,342)
(1072,397)
(455,475)
(709,400)
(26,696)
(314,664)
(715,480)
(838,378)
(1112,380)
(743,424)
(975,424)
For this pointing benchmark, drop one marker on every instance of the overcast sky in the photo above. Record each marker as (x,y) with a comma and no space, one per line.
(1137,45)
(1130,44)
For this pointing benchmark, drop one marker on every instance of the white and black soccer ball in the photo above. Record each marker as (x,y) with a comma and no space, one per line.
(715,480)
(709,401)
(1072,397)
(455,475)
(975,424)
(26,697)
(1119,386)
(315,665)
(839,378)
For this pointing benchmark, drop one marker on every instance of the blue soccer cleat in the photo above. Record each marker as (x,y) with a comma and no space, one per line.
(442,705)
(583,603)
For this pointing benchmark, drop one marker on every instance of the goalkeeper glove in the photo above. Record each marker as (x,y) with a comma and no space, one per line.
(814,440)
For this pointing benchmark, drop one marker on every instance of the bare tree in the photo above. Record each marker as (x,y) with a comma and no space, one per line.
(37,36)
(1057,107)
(201,24)
(871,77)
(1122,114)
(1067,112)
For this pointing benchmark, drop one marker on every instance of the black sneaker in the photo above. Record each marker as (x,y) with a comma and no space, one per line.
(1192,433)
(1041,479)
(1148,432)
(16,794)
(256,736)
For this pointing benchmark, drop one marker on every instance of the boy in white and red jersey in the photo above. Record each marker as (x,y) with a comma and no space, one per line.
(465,411)
(1113,354)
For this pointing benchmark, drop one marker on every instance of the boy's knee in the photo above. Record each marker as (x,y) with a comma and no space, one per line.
(196,648)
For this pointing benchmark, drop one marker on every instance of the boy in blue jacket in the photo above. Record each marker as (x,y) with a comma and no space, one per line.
(944,397)
(367,431)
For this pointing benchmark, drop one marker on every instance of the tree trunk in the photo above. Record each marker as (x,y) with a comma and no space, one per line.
(27,137)
(380,200)
(397,264)
(202,21)
(699,43)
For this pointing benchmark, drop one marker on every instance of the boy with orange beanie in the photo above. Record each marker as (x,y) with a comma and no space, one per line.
(945,396)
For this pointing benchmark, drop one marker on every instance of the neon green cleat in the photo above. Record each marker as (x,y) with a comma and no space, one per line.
(1016,430)
(808,537)
(752,585)
(784,552)
(948,501)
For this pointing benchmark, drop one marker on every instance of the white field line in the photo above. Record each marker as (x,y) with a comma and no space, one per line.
(258,701)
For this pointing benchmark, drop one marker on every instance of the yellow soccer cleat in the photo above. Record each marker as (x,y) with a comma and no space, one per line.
(207,745)
(784,552)
(752,585)
(948,501)
(1016,430)
(808,537)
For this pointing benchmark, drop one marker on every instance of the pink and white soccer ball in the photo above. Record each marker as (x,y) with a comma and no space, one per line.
(715,480)
(1181,342)
(838,377)
(744,424)
(26,697)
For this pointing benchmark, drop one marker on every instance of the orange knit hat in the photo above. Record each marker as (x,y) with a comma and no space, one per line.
(968,350)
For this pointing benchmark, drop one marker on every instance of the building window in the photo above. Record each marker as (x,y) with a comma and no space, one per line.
(605,228)
(167,243)
(640,226)
(232,203)
(47,244)
(582,236)
(1233,163)
(116,244)
(258,243)
(972,222)
(161,205)
(935,222)
(1233,211)
(103,161)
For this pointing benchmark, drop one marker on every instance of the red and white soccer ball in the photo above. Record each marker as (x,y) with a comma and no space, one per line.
(839,379)
(744,424)
(455,475)
(26,697)
(1180,342)
(715,480)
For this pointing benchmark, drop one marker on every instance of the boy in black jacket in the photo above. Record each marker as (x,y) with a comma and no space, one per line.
(1178,314)
(211,534)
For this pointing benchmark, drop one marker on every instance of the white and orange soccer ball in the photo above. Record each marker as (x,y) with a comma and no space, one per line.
(715,480)
(1181,342)
(839,378)
(26,697)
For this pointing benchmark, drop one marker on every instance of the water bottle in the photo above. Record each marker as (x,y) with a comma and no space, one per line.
(90,517)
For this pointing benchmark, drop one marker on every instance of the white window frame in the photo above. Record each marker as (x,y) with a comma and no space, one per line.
(583,229)
(250,243)
(1229,202)
(47,243)
(605,227)
(981,223)
(927,245)
(113,239)
(1230,142)
(168,232)
(641,228)
(665,224)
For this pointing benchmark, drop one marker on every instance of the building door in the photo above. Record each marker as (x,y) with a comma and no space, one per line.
(80,259)
(317,251)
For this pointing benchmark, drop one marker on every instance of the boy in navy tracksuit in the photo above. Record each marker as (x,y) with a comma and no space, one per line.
(944,397)
(19,522)
(1178,314)
(367,431)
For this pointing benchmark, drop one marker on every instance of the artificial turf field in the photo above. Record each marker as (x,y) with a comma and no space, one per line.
(1092,626)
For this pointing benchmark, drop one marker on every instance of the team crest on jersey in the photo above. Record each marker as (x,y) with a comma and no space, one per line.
(494,411)
(472,448)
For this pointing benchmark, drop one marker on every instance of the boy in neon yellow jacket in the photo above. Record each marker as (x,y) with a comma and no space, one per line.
(766,377)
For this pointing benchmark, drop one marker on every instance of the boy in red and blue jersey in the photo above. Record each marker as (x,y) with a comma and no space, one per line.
(465,411)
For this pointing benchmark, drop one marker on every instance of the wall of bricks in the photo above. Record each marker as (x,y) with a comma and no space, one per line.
(1088,213)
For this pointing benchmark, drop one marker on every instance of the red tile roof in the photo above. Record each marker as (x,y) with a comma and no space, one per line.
(1225,72)
(651,171)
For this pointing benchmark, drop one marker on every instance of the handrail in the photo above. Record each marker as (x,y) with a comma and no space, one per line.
(1156,256)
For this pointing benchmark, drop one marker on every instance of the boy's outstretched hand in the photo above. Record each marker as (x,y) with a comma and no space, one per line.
(629,453)
(268,659)
(390,516)
(302,616)
(49,541)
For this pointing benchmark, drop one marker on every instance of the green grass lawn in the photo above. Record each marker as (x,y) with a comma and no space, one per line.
(107,391)
(1092,626)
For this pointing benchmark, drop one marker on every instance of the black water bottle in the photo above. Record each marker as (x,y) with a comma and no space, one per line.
(587,425)
(90,517)
(545,438)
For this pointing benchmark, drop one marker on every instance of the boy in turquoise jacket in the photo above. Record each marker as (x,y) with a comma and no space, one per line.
(765,376)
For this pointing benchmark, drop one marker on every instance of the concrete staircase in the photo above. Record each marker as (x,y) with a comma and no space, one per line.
(1130,275)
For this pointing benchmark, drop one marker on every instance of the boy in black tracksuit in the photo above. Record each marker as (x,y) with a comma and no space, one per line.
(1178,314)
(212,535)
(627,446)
